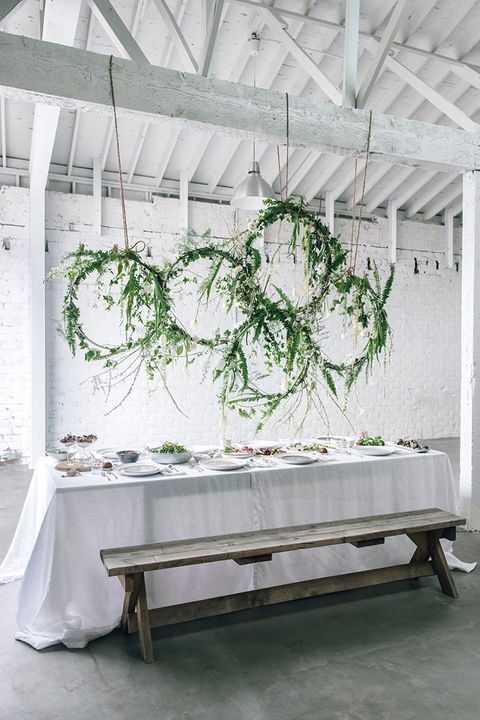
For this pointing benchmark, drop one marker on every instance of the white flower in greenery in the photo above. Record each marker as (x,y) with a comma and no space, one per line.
(252,226)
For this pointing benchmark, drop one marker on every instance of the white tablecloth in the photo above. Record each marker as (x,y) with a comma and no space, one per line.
(66,596)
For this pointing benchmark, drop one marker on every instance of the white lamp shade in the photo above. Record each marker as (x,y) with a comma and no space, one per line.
(252,191)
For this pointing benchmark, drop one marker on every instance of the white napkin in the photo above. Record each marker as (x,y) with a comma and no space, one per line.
(455,564)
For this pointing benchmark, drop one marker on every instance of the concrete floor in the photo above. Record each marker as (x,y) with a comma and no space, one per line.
(401,652)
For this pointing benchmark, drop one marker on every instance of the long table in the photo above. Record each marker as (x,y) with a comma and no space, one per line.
(66,596)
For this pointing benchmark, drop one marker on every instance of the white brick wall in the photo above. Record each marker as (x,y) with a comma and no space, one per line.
(417,393)
(14,320)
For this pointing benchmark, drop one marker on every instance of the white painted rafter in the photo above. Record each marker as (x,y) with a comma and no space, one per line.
(208,48)
(381,53)
(274,20)
(442,201)
(181,46)
(350,55)
(330,211)
(432,188)
(117,31)
(142,134)
(173,135)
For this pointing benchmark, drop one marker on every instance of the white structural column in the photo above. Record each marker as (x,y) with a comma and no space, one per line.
(470,389)
(59,25)
(97,196)
(350,56)
(448,220)
(183,200)
(392,231)
(330,210)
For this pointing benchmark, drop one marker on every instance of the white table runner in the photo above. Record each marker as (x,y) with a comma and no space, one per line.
(66,596)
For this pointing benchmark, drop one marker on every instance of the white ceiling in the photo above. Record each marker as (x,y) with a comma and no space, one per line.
(152,157)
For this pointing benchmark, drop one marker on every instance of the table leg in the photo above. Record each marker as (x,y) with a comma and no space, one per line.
(144,632)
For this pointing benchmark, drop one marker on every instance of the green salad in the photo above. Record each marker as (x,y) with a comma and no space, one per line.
(371,441)
(169,448)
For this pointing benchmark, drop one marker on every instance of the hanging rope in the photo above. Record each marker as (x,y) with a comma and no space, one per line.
(287,108)
(117,141)
(354,245)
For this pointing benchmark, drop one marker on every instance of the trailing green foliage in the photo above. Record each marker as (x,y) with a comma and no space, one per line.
(287,335)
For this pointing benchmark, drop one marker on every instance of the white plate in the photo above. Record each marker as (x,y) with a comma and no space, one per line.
(239,455)
(374,449)
(108,453)
(298,459)
(139,470)
(224,464)
(259,444)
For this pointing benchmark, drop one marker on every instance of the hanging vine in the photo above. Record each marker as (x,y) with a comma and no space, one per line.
(286,337)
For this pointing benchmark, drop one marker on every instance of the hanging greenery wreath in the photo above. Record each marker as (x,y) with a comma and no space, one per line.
(287,335)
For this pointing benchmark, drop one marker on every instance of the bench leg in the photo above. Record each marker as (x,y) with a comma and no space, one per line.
(131,584)
(143,620)
(429,546)
(440,566)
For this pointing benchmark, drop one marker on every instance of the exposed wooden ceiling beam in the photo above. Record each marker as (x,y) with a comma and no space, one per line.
(350,55)
(29,71)
(211,38)
(178,38)
(117,31)
(381,53)
(273,18)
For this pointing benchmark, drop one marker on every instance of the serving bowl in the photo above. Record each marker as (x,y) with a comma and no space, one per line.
(170,458)
(128,456)
(57,454)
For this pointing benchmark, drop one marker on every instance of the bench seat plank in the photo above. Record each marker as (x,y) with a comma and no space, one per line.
(131,560)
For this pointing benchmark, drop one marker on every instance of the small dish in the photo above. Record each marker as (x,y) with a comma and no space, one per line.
(127,457)
(57,454)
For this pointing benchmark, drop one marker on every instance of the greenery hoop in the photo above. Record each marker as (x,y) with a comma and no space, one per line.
(286,335)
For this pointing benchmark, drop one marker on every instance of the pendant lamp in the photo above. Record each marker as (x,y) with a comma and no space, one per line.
(253,189)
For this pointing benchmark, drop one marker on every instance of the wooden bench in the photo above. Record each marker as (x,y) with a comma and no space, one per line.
(423,527)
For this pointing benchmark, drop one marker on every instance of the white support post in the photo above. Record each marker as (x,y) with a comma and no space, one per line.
(37,322)
(330,210)
(470,348)
(59,26)
(97,197)
(183,201)
(448,221)
(350,55)
(392,231)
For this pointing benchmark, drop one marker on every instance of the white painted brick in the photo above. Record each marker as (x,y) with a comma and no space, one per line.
(417,393)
